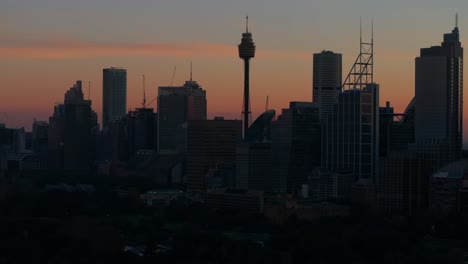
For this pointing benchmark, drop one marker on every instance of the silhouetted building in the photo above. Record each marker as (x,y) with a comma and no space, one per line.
(56,137)
(141,130)
(114,95)
(295,143)
(73,129)
(439,94)
(327,81)
(12,140)
(351,134)
(211,149)
(445,187)
(254,166)
(403,185)
(396,131)
(177,105)
(40,136)
(260,130)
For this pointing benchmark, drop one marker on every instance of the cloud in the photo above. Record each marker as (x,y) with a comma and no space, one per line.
(71,49)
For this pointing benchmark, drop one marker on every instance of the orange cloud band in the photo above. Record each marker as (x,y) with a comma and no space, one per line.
(76,49)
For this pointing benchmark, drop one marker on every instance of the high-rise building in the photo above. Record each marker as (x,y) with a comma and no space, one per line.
(295,145)
(246,52)
(439,94)
(211,152)
(326,81)
(177,105)
(141,130)
(114,95)
(73,129)
(56,137)
(351,134)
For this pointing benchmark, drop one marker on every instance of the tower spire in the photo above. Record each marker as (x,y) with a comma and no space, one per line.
(144,93)
(456,20)
(247,24)
(190,71)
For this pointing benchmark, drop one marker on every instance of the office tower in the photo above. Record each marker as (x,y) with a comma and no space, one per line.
(351,134)
(114,95)
(40,136)
(326,80)
(73,129)
(141,130)
(396,131)
(177,105)
(211,152)
(56,137)
(350,138)
(246,52)
(439,94)
(295,146)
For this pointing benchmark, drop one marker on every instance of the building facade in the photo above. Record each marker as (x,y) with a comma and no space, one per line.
(351,134)
(211,147)
(114,95)
(327,81)
(177,105)
(439,94)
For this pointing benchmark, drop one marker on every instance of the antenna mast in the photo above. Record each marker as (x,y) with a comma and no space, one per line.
(362,72)
(190,71)
(144,93)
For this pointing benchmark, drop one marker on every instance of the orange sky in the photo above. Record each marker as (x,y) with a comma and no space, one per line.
(45,46)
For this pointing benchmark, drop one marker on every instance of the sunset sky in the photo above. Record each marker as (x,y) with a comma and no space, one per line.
(46,45)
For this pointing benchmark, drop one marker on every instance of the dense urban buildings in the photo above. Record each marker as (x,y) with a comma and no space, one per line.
(322,175)
(114,95)
(327,81)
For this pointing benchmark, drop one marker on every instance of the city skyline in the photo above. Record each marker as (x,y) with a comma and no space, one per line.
(24,52)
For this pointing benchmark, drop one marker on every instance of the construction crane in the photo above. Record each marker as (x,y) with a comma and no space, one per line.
(173,75)
(172,81)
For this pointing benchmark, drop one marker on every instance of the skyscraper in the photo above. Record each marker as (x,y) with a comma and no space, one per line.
(327,80)
(295,140)
(73,129)
(246,52)
(114,95)
(439,94)
(177,105)
(351,134)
